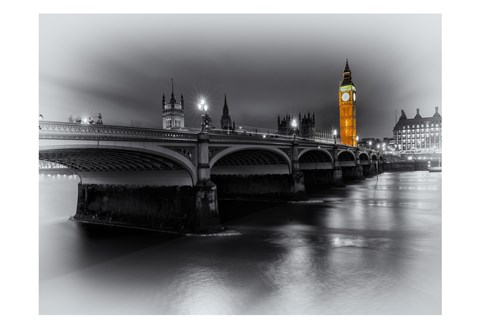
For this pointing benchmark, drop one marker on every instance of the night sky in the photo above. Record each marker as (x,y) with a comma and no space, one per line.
(268,65)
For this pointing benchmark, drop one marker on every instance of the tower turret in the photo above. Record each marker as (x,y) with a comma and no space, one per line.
(173,116)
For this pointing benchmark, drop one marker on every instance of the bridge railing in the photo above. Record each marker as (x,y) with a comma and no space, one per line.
(75,131)
(267,135)
(62,130)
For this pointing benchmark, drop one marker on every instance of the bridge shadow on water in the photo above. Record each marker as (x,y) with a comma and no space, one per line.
(231,210)
(87,245)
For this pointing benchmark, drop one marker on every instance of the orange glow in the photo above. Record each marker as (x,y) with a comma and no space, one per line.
(348,115)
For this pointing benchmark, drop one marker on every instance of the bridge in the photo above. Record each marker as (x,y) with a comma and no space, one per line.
(169,179)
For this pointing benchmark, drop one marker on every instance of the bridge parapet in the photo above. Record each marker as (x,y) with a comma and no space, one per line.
(62,130)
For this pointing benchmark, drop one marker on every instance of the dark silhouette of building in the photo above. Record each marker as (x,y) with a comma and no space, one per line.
(225,121)
(305,125)
(173,115)
(418,133)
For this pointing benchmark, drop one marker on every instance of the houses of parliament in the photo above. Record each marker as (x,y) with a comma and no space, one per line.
(173,115)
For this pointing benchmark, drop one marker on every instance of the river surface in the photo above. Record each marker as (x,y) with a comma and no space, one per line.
(373,247)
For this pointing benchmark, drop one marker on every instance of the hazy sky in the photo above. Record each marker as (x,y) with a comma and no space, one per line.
(269,65)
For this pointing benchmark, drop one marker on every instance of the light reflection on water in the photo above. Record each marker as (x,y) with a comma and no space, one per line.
(370,248)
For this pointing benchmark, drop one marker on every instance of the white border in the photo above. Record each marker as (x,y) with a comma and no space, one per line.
(19,76)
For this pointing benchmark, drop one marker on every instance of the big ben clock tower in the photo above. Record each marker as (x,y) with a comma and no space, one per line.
(347,100)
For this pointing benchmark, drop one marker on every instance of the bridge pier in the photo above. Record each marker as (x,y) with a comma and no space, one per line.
(380,167)
(206,216)
(359,172)
(152,207)
(297,181)
(359,168)
(349,173)
(367,171)
(337,176)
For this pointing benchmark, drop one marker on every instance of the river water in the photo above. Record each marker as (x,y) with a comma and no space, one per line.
(373,247)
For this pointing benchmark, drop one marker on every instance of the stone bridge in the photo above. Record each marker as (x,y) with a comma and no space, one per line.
(166,179)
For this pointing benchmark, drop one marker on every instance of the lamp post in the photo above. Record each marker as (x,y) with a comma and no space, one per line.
(356,139)
(335,137)
(370,144)
(294,126)
(202,106)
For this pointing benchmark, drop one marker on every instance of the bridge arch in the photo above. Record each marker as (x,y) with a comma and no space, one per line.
(363,156)
(262,160)
(346,158)
(315,158)
(346,155)
(144,165)
(374,158)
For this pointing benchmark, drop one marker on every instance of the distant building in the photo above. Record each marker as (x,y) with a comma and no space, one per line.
(389,142)
(370,143)
(418,133)
(173,113)
(225,121)
(305,125)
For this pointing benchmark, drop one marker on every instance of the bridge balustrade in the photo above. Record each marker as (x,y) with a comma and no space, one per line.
(54,130)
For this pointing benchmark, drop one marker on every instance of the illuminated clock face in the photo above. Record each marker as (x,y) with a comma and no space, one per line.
(354,97)
(345,96)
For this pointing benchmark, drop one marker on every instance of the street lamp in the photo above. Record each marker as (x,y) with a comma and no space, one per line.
(370,144)
(356,139)
(335,136)
(202,106)
(294,126)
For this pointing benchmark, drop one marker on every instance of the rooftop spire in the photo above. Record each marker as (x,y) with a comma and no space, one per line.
(418,113)
(347,68)
(225,106)
(172,98)
(347,75)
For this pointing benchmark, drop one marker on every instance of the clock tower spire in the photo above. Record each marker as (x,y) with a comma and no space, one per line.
(347,100)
